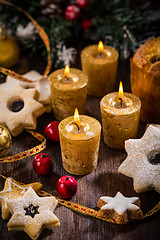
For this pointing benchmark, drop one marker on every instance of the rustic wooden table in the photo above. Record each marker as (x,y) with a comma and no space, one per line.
(105,180)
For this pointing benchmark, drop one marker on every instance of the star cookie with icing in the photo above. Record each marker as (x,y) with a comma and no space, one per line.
(120,209)
(19,108)
(32,214)
(42,87)
(143,161)
(13,190)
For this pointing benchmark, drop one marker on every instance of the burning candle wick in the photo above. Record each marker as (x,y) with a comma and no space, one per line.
(67,78)
(120,101)
(77,126)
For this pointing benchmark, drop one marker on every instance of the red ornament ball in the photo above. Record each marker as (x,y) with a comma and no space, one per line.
(66,187)
(42,164)
(83,3)
(72,12)
(86,24)
(52,132)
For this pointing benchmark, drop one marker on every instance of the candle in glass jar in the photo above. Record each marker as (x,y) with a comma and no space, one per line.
(100,65)
(120,117)
(79,141)
(68,91)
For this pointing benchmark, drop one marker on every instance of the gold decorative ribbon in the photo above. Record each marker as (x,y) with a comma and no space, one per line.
(88,211)
(44,38)
(91,212)
(29,152)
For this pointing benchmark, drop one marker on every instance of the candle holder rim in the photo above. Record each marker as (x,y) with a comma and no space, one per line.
(128,110)
(71,135)
(93,47)
(79,84)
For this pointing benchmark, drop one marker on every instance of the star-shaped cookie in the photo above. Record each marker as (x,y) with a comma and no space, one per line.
(19,108)
(42,87)
(14,190)
(140,163)
(32,213)
(120,208)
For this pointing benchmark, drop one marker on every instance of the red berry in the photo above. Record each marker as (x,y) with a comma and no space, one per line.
(83,3)
(42,164)
(66,187)
(86,24)
(51,131)
(72,12)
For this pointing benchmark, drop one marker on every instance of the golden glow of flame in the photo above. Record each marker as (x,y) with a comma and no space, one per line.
(66,71)
(100,46)
(76,117)
(120,95)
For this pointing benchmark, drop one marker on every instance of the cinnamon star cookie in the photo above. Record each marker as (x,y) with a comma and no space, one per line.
(121,209)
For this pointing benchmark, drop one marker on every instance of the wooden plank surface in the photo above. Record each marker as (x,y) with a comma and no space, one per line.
(103,181)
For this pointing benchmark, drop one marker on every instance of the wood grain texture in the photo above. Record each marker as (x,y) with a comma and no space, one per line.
(105,180)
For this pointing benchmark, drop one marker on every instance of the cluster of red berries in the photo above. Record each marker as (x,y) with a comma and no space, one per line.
(73,12)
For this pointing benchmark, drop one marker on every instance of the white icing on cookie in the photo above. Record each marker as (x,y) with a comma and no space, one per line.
(137,164)
(119,203)
(10,183)
(5,199)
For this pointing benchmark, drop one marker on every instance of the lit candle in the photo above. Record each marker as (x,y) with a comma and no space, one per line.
(120,117)
(79,140)
(68,91)
(100,65)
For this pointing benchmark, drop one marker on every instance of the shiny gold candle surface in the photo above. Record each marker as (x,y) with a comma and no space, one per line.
(79,149)
(119,122)
(101,69)
(68,93)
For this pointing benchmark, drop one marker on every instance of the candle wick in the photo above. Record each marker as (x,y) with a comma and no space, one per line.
(120,101)
(67,78)
(100,54)
(77,126)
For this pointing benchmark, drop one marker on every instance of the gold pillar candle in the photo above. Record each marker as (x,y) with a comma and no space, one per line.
(68,91)
(120,118)
(79,144)
(101,67)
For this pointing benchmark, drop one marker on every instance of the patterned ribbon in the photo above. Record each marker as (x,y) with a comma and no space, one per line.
(85,210)
(29,152)
(44,38)
(91,212)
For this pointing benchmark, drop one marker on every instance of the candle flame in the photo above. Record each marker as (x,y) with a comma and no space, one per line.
(100,46)
(66,71)
(120,95)
(76,117)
